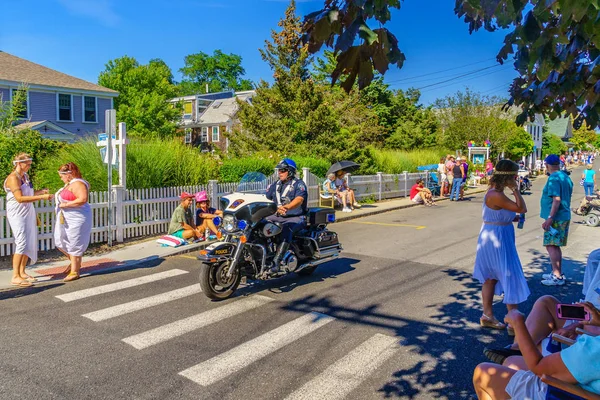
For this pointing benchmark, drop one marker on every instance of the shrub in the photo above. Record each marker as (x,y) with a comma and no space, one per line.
(30,142)
(155,163)
(233,169)
(317,166)
(395,162)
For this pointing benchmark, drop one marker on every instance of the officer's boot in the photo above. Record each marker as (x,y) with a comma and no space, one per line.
(281,250)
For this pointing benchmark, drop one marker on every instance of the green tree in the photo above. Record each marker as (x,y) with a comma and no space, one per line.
(286,55)
(12,111)
(220,72)
(296,115)
(144,91)
(518,142)
(469,115)
(553,43)
(583,138)
(551,144)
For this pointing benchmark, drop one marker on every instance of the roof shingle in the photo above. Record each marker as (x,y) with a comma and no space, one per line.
(18,70)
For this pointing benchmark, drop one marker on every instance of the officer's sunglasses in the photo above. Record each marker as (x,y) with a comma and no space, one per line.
(282,170)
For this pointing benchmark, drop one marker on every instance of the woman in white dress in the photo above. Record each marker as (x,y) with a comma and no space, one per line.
(73,218)
(22,218)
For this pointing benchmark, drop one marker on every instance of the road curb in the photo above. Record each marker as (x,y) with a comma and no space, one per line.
(347,217)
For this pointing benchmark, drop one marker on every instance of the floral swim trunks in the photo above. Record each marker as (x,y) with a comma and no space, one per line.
(560,237)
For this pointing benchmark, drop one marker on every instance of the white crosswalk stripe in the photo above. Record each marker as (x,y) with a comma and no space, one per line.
(126,308)
(82,294)
(186,325)
(346,374)
(223,365)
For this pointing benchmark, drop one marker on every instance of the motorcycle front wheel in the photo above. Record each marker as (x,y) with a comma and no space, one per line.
(215,283)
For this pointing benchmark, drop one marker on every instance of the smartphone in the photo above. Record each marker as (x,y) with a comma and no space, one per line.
(572,311)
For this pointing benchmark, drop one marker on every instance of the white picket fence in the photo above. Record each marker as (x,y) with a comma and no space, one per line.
(146,212)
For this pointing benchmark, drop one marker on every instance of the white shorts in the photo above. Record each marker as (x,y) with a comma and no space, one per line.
(526,385)
(418,198)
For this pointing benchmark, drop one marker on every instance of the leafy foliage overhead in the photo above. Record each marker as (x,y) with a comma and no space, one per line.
(555,48)
(220,72)
(339,23)
(143,93)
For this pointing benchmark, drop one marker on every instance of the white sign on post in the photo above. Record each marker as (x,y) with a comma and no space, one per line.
(103,144)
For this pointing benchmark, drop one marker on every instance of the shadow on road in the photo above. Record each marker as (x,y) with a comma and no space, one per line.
(445,346)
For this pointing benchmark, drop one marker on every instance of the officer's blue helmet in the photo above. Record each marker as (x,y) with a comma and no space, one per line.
(289,164)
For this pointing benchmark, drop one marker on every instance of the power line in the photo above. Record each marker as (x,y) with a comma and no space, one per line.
(464,79)
(441,71)
(460,76)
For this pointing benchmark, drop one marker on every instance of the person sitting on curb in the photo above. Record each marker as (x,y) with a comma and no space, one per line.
(205,215)
(519,376)
(420,194)
(182,221)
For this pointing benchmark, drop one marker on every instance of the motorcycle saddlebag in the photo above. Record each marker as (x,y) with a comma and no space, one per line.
(321,216)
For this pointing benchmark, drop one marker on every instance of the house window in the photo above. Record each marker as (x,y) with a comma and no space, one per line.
(188,135)
(89,109)
(215,134)
(187,110)
(23,96)
(65,107)
(204,134)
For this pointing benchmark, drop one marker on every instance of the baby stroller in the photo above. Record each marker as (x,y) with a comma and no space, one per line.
(591,213)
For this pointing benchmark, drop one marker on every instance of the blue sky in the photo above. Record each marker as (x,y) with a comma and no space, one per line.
(78,37)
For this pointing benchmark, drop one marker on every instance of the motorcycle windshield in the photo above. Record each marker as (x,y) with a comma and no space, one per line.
(253,182)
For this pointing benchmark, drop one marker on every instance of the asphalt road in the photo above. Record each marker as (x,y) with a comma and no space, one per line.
(396,317)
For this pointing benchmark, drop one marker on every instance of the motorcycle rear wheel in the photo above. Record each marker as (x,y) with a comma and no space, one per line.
(214,281)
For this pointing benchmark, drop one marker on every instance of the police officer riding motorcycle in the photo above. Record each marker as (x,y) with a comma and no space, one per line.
(267,236)
(290,195)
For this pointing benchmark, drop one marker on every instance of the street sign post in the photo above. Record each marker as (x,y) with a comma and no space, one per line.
(111,129)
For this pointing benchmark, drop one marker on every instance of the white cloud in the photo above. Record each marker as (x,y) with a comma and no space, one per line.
(100,10)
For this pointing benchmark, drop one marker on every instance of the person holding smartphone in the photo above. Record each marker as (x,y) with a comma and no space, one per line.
(497,263)
(519,376)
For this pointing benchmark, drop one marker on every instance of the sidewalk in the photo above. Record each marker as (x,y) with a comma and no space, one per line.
(134,254)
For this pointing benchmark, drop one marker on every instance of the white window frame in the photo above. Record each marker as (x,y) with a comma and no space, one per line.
(204,134)
(10,95)
(188,136)
(58,107)
(83,109)
(213,134)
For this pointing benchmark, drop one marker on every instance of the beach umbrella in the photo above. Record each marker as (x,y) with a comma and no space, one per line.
(348,166)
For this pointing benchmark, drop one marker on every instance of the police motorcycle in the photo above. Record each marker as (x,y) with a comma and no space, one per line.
(250,242)
(523,181)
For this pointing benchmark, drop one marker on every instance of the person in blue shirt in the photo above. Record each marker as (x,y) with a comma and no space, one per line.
(556,212)
(589,180)
(291,197)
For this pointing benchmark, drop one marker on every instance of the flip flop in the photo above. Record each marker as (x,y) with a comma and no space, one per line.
(71,277)
(22,284)
(31,278)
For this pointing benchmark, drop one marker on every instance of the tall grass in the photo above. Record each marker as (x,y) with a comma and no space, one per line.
(395,162)
(156,163)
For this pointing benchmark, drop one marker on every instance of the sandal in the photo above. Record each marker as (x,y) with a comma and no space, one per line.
(71,277)
(29,278)
(22,283)
(491,323)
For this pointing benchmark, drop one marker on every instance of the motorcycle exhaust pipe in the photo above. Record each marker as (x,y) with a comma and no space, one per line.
(317,262)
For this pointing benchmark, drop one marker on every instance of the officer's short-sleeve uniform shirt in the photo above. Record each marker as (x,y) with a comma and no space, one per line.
(288,191)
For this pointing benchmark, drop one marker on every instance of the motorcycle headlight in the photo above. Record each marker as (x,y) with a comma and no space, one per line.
(229,224)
